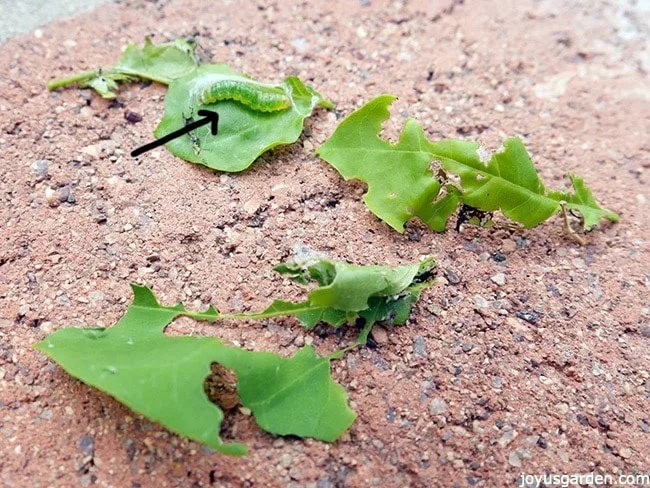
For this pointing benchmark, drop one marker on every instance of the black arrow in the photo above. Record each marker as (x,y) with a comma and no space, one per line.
(209,117)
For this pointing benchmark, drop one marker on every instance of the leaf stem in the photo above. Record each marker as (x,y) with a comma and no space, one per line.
(266,315)
(567,226)
(69,80)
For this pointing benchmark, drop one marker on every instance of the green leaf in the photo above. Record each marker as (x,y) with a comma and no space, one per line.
(584,202)
(400,181)
(510,183)
(295,396)
(162,377)
(161,63)
(401,184)
(437,214)
(349,287)
(244,133)
(347,292)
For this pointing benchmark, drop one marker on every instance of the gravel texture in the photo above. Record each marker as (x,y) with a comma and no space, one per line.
(530,354)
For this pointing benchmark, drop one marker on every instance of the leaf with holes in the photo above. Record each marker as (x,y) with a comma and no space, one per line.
(163,377)
(510,183)
(401,184)
(399,177)
(348,292)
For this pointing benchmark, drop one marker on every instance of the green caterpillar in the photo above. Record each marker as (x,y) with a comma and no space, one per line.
(261,97)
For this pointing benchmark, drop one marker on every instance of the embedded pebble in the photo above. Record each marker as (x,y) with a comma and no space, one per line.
(285,460)
(481,302)
(514,460)
(497,382)
(528,316)
(87,445)
(419,346)
(499,257)
(132,117)
(437,406)
(645,330)
(499,279)
(40,167)
(380,335)
(452,277)
(596,368)
(507,437)
(626,453)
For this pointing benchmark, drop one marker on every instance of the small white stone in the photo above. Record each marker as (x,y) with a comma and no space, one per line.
(499,279)
(93,150)
(596,368)
(513,460)
(50,194)
(562,408)
(437,406)
(507,437)
(252,205)
(481,302)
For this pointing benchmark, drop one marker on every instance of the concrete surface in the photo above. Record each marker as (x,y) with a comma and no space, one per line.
(469,393)
(18,17)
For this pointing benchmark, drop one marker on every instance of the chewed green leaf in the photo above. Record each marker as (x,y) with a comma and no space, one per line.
(401,184)
(348,287)
(286,395)
(253,117)
(156,62)
(437,215)
(400,181)
(584,202)
(291,396)
(162,63)
(163,377)
(508,182)
(348,292)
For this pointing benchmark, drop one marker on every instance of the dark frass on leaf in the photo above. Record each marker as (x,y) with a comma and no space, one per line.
(164,378)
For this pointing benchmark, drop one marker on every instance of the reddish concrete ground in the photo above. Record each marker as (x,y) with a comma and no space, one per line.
(468,393)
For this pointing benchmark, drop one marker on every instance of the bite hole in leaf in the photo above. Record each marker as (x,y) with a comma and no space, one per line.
(183,326)
(221,387)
